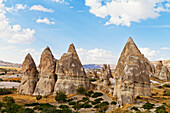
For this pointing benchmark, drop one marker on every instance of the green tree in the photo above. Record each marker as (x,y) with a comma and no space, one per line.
(60,97)
(38,97)
(81,90)
(77,106)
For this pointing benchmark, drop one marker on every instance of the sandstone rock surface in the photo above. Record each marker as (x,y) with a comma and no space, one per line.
(132,74)
(30,76)
(106,74)
(70,73)
(46,83)
(161,71)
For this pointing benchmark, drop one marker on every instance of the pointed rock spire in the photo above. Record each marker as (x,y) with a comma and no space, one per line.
(73,50)
(30,76)
(131,74)
(47,73)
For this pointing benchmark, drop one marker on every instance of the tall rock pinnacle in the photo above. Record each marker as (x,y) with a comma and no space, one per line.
(30,76)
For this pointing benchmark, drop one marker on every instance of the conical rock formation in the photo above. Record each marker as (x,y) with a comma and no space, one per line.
(106,74)
(70,73)
(46,83)
(132,74)
(30,76)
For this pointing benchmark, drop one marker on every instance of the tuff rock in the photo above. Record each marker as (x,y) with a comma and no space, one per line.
(106,74)
(70,73)
(132,74)
(45,85)
(30,76)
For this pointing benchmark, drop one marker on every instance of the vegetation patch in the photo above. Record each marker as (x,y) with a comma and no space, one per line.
(97,94)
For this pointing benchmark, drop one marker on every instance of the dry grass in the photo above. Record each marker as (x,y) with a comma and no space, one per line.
(11,68)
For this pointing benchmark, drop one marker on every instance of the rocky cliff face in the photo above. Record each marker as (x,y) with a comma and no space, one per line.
(132,74)
(30,76)
(161,71)
(105,74)
(46,83)
(70,73)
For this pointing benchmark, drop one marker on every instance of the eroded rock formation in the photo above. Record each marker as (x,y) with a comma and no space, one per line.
(106,74)
(46,83)
(161,71)
(30,76)
(132,74)
(70,73)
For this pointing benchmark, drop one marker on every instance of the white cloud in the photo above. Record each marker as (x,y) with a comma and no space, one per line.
(45,20)
(16,7)
(124,12)
(150,54)
(60,1)
(165,48)
(41,8)
(8,47)
(96,56)
(13,33)
(162,58)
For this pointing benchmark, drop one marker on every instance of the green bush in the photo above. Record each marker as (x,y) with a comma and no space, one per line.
(60,97)
(1,79)
(31,104)
(84,99)
(104,103)
(166,92)
(81,90)
(93,80)
(166,85)
(63,106)
(161,109)
(38,97)
(43,106)
(77,106)
(0,105)
(138,97)
(4,91)
(98,99)
(49,110)
(72,103)
(28,110)
(148,105)
(97,94)
(71,99)
(90,92)
(134,108)
(113,103)
(86,105)
(8,99)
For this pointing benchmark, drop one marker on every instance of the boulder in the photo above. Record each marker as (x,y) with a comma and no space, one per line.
(45,85)
(70,73)
(30,76)
(132,74)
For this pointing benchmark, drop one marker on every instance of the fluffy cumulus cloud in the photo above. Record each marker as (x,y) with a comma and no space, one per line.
(96,56)
(150,54)
(13,33)
(124,12)
(16,7)
(41,8)
(45,20)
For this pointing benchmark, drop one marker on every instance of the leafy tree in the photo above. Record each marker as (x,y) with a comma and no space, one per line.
(148,106)
(38,97)
(161,109)
(81,90)
(113,103)
(97,94)
(60,97)
(8,99)
(77,106)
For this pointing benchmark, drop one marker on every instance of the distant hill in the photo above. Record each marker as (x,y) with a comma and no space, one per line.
(97,66)
(8,64)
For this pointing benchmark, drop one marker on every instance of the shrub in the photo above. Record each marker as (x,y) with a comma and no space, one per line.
(97,94)
(113,103)
(81,90)
(38,97)
(72,103)
(60,97)
(42,106)
(84,99)
(166,92)
(8,99)
(102,108)
(1,79)
(138,97)
(148,105)
(77,106)
(98,99)
(95,102)
(86,105)
(4,91)
(90,92)
(134,108)
(161,109)
(31,104)
(166,85)
(71,99)
(93,80)
(63,106)
(104,103)
(28,110)
(0,105)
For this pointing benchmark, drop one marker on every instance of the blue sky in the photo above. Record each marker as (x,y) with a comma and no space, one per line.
(98,28)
